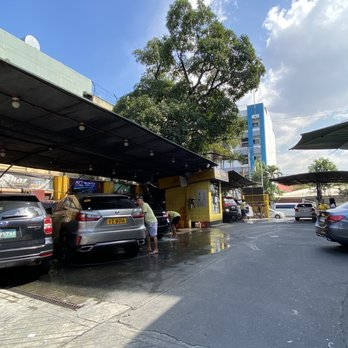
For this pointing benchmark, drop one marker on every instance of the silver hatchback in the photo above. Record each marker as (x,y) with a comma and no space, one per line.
(84,222)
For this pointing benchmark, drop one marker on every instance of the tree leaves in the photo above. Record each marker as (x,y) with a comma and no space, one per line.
(193,78)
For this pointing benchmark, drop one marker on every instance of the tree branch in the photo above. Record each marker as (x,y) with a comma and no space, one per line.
(183,67)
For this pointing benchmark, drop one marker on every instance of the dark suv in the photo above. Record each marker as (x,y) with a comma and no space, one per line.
(25,232)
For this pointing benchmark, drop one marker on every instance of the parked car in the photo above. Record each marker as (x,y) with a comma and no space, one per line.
(333,224)
(163,222)
(276,214)
(25,232)
(231,210)
(86,222)
(305,211)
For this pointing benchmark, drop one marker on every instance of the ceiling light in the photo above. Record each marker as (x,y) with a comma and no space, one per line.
(50,148)
(90,167)
(126,143)
(82,127)
(2,153)
(173,160)
(15,102)
(113,172)
(152,153)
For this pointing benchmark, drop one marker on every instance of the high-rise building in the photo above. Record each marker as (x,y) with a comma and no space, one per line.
(258,141)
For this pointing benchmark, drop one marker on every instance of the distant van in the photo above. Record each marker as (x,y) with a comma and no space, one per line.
(287,208)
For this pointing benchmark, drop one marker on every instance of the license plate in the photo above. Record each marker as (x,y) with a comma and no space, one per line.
(116,221)
(8,234)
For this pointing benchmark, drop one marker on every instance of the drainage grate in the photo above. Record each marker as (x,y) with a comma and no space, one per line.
(49,299)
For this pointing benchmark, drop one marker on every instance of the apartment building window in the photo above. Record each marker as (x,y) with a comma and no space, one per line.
(256,141)
(256,124)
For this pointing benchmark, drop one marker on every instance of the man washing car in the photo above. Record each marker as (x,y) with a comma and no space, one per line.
(151,226)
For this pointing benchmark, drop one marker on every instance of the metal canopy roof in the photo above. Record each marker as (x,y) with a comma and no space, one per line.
(314,178)
(333,137)
(43,133)
(237,181)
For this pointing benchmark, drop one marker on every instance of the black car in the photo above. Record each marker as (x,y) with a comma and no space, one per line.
(162,221)
(25,232)
(231,210)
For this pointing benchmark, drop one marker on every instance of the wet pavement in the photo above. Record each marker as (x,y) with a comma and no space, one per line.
(111,276)
(257,284)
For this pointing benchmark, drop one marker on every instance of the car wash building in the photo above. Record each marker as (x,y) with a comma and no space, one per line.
(50,121)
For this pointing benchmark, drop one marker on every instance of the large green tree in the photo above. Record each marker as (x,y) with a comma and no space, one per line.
(193,77)
(263,174)
(322,165)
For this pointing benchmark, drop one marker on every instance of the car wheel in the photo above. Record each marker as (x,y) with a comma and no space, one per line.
(297,218)
(277,216)
(132,250)
(44,267)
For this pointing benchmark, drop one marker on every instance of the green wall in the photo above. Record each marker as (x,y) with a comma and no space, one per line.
(18,53)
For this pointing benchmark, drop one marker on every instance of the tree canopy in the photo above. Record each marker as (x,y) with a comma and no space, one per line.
(322,165)
(264,173)
(193,77)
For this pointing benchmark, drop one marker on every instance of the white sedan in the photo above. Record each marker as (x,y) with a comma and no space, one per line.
(276,214)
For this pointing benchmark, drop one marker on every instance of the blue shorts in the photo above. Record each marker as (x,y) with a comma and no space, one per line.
(151,229)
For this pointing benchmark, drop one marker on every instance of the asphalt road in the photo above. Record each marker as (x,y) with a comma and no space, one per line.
(239,285)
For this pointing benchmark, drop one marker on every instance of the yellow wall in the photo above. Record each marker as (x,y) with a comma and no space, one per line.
(177,199)
(60,187)
(108,187)
(259,203)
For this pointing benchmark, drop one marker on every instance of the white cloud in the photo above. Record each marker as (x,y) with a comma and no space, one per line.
(218,6)
(306,85)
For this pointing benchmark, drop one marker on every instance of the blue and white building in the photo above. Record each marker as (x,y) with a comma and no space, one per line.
(258,142)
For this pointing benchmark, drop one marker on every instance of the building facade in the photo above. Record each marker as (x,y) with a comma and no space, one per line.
(258,141)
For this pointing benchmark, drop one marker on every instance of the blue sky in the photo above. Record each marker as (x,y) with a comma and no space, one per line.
(97,38)
(303,44)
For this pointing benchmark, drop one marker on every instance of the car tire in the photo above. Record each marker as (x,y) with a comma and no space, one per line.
(277,216)
(44,267)
(132,250)
(297,218)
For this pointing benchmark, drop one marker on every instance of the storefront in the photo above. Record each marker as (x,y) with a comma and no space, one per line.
(197,197)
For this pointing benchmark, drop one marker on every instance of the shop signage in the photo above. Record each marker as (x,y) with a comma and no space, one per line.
(22,181)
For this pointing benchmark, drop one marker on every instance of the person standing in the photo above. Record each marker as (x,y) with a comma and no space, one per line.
(151,226)
(332,203)
(174,218)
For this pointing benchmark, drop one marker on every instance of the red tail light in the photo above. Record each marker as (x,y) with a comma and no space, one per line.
(138,215)
(48,226)
(87,217)
(78,240)
(335,218)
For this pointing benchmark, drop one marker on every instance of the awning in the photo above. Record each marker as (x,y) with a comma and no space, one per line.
(333,137)
(314,178)
(44,133)
(236,181)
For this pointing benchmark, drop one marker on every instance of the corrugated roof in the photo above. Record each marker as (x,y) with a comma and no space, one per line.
(44,133)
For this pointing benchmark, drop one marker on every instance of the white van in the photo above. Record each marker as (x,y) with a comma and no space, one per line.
(287,208)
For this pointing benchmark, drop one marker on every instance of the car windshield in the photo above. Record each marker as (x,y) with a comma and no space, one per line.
(16,209)
(106,202)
